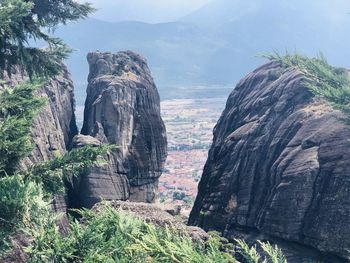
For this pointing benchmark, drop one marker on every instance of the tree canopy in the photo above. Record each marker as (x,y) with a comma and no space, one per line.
(24,22)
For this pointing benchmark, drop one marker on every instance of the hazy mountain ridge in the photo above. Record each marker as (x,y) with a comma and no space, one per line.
(218,43)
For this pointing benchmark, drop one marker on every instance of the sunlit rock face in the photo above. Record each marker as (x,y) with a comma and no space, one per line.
(123,108)
(278,166)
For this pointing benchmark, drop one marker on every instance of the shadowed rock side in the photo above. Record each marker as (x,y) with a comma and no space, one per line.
(52,133)
(54,127)
(123,108)
(278,166)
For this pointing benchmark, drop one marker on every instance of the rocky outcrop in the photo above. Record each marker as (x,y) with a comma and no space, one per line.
(52,133)
(54,127)
(278,166)
(123,108)
(99,182)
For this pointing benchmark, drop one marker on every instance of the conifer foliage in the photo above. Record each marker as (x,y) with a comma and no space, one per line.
(18,107)
(22,22)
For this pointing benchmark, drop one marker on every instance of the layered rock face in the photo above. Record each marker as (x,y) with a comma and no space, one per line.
(54,127)
(123,108)
(278,166)
(52,133)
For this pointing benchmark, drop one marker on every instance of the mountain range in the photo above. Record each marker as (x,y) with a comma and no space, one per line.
(219,43)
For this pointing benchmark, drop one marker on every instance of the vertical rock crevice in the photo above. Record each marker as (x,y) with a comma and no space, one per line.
(55,126)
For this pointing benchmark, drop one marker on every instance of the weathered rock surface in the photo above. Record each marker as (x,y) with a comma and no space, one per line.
(52,133)
(99,182)
(123,108)
(55,126)
(278,166)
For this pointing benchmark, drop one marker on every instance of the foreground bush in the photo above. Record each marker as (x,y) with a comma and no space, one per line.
(111,236)
(25,197)
(22,208)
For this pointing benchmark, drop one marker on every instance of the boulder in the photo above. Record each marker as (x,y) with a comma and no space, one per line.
(278,166)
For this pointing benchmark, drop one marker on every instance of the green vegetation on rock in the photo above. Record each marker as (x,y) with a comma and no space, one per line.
(18,107)
(272,254)
(113,236)
(323,80)
(25,195)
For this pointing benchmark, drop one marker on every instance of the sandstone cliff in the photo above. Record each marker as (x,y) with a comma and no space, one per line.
(52,133)
(278,166)
(54,127)
(122,108)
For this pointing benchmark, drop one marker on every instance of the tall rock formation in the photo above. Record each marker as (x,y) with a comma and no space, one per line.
(122,108)
(54,127)
(278,166)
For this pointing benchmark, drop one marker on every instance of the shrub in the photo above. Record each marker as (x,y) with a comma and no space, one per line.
(323,80)
(22,206)
(18,107)
(20,202)
(177,195)
(112,236)
(55,173)
(25,196)
(272,254)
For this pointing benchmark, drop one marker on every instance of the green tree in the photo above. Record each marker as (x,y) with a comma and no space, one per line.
(18,107)
(24,21)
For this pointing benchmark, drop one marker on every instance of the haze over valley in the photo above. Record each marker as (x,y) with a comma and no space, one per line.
(216,44)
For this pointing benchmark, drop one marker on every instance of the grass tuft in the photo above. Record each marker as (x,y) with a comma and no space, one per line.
(327,82)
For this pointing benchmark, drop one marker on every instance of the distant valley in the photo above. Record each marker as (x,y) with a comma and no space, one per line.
(189,124)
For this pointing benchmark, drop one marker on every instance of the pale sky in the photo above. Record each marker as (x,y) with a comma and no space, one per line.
(151,11)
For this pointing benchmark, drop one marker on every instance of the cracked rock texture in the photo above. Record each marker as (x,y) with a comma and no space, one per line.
(278,166)
(54,127)
(123,108)
(52,133)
